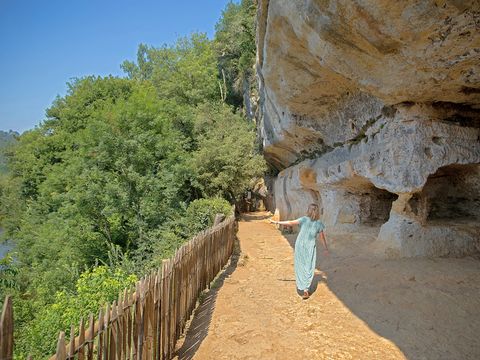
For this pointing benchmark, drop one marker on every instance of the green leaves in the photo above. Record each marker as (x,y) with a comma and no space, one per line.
(93,289)
(225,163)
(185,72)
(235,47)
(201,213)
(123,171)
(108,166)
(8,273)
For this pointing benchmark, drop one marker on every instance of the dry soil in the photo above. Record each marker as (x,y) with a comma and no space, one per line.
(362,307)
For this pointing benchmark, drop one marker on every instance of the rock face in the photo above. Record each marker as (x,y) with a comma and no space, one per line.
(372,110)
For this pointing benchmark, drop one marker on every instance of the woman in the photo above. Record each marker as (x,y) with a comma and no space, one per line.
(306,247)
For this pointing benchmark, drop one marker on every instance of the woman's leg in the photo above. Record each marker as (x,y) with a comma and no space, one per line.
(304,264)
(301,275)
(310,267)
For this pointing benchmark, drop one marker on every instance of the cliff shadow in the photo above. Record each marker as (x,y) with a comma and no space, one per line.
(427,307)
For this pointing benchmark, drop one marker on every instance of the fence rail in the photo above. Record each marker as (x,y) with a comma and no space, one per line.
(146,322)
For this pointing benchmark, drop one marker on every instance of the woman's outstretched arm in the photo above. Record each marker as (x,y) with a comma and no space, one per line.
(286,222)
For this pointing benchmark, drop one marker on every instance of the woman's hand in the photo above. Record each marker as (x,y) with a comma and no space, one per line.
(326,252)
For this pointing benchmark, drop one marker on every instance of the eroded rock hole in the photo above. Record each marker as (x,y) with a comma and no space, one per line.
(453,194)
(374,204)
(437,140)
(415,204)
(428,152)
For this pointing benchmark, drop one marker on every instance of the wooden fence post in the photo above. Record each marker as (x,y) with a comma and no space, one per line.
(218,219)
(81,340)
(61,348)
(6,330)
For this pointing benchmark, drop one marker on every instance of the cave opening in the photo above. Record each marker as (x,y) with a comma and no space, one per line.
(374,203)
(453,195)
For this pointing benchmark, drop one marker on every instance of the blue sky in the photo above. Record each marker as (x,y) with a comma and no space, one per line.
(44,43)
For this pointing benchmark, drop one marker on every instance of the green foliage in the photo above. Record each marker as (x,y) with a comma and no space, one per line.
(199,216)
(8,273)
(11,204)
(6,140)
(235,46)
(225,163)
(104,169)
(201,213)
(122,172)
(93,289)
(185,72)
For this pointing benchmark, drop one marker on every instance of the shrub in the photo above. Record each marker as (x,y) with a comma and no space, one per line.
(201,213)
(94,289)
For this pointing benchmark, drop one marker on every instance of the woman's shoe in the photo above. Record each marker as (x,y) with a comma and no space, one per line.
(306,295)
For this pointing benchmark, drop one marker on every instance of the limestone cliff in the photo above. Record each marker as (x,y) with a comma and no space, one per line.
(372,110)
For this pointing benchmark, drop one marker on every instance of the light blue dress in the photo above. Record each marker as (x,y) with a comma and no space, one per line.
(306,251)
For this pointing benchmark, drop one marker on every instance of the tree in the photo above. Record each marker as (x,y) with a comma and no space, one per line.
(106,167)
(225,163)
(185,72)
(132,166)
(235,47)
(93,289)
(6,140)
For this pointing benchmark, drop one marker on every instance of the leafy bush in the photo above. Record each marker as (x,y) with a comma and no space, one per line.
(163,243)
(201,213)
(8,272)
(225,163)
(93,290)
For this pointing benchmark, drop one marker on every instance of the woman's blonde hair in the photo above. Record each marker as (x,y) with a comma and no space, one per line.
(313,212)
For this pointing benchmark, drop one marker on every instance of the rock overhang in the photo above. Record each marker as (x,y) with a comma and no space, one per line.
(365,105)
(322,61)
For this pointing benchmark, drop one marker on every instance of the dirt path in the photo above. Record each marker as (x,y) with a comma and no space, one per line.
(363,308)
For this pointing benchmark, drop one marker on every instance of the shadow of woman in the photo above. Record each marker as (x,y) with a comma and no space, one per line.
(317,278)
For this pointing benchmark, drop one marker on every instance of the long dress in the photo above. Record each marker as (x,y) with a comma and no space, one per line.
(306,251)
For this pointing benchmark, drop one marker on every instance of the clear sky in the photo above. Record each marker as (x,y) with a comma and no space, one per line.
(44,43)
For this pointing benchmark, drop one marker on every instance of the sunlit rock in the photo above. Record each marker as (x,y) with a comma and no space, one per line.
(372,110)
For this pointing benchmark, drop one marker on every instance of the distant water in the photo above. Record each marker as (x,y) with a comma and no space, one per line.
(4,247)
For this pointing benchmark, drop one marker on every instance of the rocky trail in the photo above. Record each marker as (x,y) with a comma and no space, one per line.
(362,308)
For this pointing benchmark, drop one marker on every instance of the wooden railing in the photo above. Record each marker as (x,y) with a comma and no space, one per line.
(6,330)
(146,322)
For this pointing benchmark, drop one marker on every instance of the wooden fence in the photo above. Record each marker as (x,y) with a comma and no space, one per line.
(146,322)
(6,330)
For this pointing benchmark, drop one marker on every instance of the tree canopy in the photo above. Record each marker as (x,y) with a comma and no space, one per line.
(7,138)
(121,172)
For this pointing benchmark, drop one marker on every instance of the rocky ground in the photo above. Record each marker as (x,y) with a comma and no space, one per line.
(362,308)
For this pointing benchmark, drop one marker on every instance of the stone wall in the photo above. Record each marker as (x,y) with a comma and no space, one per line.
(372,110)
